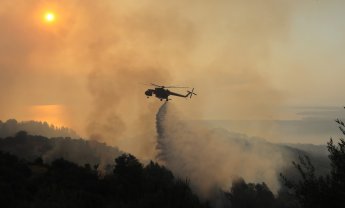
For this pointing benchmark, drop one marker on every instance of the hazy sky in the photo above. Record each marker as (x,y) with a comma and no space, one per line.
(246,59)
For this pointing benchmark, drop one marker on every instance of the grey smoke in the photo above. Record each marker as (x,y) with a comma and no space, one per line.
(213,158)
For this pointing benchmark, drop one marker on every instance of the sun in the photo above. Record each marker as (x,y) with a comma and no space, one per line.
(49,17)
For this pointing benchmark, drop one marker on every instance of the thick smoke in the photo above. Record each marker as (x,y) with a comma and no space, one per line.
(213,158)
(91,61)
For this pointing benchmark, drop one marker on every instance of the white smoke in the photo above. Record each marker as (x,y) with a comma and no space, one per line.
(213,158)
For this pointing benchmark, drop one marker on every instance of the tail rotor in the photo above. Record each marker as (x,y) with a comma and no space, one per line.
(191,93)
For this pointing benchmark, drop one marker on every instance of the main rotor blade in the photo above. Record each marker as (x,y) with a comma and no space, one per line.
(145,84)
(157,85)
(166,86)
(175,87)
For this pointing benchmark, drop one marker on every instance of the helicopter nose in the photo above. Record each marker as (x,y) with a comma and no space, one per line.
(148,93)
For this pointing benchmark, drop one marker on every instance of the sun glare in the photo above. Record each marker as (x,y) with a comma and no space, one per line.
(49,17)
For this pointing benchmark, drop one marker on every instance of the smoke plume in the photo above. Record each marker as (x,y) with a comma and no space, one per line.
(213,158)
(84,70)
(91,61)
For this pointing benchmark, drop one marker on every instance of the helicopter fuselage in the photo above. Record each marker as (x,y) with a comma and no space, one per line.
(160,93)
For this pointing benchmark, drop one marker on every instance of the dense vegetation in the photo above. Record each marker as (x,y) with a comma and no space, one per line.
(258,195)
(308,191)
(12,126)
(328,190)
(34,174)
(79,151)
(65,184)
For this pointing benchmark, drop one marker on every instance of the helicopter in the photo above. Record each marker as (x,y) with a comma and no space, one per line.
(163,94)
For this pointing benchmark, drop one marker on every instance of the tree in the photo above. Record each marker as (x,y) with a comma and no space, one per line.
(128,173)
(128,169)
(337,157)
(322,191)
(243,195)
(21,135)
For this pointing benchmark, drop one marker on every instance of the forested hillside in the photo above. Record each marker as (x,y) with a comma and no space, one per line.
(79,151)
(12,126)
(65,184)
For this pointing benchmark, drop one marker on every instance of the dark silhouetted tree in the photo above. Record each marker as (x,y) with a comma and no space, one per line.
(323,191)
(128,173)
(243,195)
